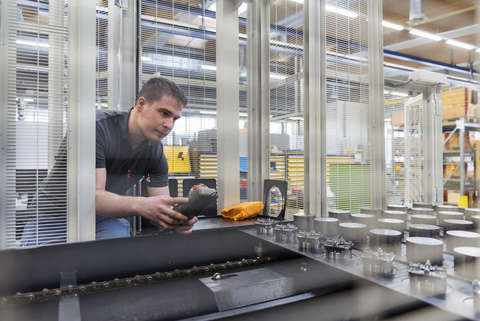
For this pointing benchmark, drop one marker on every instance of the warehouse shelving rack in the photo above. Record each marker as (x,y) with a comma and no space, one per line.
(460,127)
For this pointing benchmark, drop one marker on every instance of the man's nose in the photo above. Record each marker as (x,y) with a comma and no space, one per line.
(168,123)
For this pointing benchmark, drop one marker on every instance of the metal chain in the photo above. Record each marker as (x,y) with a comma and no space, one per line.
(54,294)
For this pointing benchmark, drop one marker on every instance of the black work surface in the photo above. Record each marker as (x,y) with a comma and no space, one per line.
(31,270)
(208,223)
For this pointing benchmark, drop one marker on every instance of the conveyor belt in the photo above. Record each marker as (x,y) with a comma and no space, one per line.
(458,299)
(173,277)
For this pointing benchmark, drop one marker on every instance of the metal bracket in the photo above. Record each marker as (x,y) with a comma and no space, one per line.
(460,123)
(451,174)
(69,305)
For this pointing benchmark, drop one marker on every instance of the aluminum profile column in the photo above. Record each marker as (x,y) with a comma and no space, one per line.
(7,93)
(433,153)
(129,56)
(461,126)
(55,74)
(375,52)
(315,99)
(258,107)
(122,41)
(228,141)
(114,79)
(81,154)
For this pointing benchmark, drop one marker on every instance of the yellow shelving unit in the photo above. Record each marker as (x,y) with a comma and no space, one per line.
(295,171)
(178,159)
(208,166)
(278,170)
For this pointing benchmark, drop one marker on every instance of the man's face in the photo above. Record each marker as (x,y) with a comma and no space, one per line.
(158,118)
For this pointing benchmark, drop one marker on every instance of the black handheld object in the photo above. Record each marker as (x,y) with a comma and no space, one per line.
(198,199)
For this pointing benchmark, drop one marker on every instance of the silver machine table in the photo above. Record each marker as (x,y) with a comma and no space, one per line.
(253,271)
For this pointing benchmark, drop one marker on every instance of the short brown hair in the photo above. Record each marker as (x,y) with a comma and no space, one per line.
(155,88)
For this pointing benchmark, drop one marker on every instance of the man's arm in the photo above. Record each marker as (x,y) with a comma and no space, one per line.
(157,208)
(156,191)
(184,228)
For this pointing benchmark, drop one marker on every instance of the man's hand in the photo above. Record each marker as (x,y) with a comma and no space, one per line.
(187,226)
(159,210)
(157,207)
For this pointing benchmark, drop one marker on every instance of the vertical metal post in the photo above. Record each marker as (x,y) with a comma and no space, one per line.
(315,83)
(228,141)
(114,56)
(55,75)
(129,56)
(138,218)
(461,132)
(7,8)
(375,44)
(433,145)
(81,154)
(122,42)
(406,163)
(258,43)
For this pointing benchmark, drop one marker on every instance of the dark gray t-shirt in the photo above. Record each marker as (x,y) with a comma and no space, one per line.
(124,166)
(113,152)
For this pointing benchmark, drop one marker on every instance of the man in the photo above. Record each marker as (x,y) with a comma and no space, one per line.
(128,148)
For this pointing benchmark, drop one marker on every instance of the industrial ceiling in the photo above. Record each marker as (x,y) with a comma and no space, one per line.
(449,20)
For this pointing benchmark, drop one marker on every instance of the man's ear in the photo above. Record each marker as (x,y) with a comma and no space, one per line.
(141,103)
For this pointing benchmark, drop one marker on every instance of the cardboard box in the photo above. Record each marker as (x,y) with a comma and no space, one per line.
(451,196)
(398,119)
(453,112)
(460,102)
(453,144)
(455,96)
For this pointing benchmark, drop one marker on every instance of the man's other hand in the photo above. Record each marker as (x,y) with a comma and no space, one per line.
(159,210)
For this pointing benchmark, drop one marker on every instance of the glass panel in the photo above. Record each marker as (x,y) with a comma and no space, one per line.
(37,122)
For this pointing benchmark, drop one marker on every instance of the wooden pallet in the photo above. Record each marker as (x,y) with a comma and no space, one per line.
(468,120)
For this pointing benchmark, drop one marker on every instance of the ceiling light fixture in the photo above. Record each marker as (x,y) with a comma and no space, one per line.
(341,11)
(206,18)
(425,35)
(460,44)
(32,43)
(208,67)
(392,25)
(208,112)
(398,93)
(335,9)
